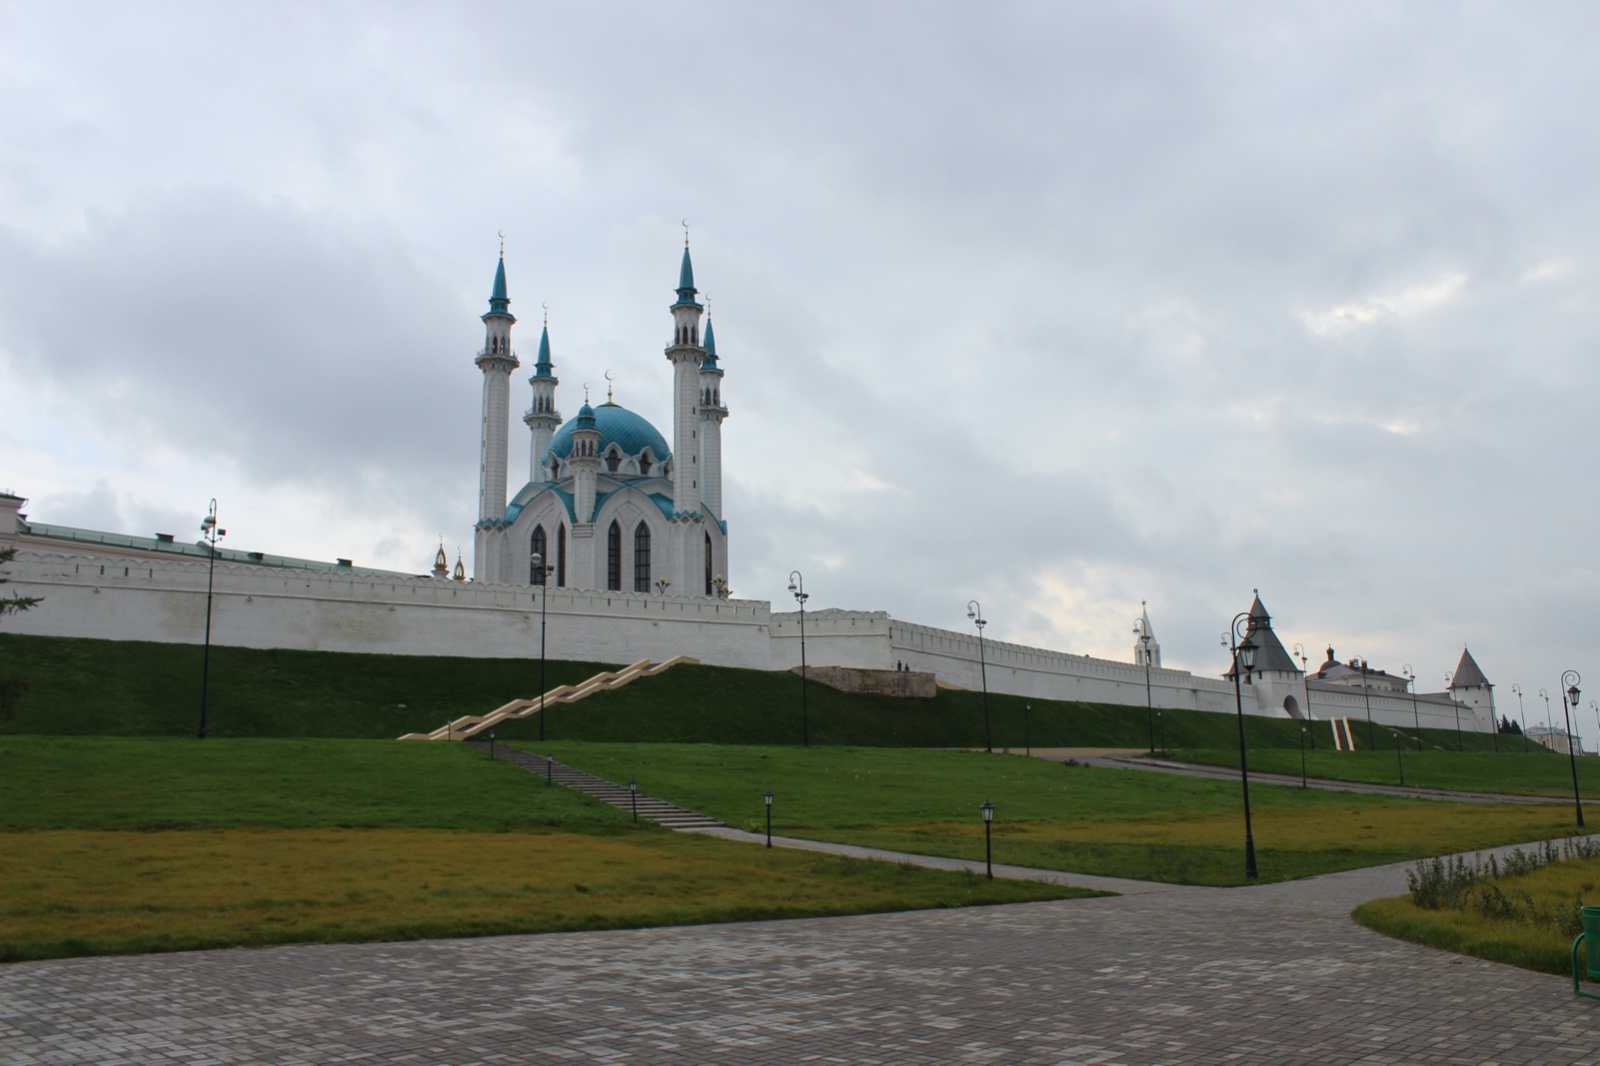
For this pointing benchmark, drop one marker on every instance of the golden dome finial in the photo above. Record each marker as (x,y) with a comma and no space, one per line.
(461,571)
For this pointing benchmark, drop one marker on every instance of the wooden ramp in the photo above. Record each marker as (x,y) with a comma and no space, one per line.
(470,725)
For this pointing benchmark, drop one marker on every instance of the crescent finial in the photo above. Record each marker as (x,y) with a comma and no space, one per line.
(546,306)
(586,392)
(502,244)
(608,386)
(685,233)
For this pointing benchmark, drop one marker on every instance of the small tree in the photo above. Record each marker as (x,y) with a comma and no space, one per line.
(12,688)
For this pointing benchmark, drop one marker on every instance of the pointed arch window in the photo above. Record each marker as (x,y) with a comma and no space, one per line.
(561,555)
(708,564)
(536,573)
(644,464)
(613,460)
(641,558)
(614,558)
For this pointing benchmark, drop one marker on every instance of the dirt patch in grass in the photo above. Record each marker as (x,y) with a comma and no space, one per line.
(80,892)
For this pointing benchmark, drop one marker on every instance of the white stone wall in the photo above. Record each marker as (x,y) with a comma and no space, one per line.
(123,594)
(137,598)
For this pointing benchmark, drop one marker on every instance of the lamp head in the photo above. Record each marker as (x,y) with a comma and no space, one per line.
(1247,653)
(633,786)
(988,811)
(1573,694)
(538,560)
(768,797)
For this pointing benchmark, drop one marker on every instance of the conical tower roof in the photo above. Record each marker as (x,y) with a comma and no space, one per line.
(499,302)
(1467,674)
(1270,652)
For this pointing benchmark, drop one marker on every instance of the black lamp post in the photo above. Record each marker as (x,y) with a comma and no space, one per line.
(1398,760)
(1522,715)
(212,534)
(1244,658)
(1149,701)
(549,769)
(541,579)
(975,613)
(1416,716)
(1302,756)
(988,853)
(491,745)
(797,585)
(1027,731)
(633,797)
(1305,675)
(1372,741)
(1450,691)
(1595,707)
(1162,723)
(1569,698)
(768,798)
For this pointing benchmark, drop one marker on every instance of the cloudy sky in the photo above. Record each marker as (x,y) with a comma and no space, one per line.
(1059,306)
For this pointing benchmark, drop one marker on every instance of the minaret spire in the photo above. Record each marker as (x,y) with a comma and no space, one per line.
(497,361)
(686,354)
(542,418)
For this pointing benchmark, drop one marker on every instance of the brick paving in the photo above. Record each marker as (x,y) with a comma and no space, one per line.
(1267,974)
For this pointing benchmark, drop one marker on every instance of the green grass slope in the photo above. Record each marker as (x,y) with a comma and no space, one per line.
(94,687)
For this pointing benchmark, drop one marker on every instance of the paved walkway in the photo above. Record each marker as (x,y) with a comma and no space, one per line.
(1268,974)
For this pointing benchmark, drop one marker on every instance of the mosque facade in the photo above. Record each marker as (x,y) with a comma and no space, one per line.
(609,504)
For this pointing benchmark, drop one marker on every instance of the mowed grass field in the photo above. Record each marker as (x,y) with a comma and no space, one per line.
(1124,823)
(140,844)
(1540,772)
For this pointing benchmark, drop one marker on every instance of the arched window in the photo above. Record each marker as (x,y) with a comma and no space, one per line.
(614,558)
(644,464)
(708,564)
(536,573)
(561,555)
(641,558)
(613,460)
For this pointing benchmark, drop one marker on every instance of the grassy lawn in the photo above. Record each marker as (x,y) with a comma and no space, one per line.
(147,844)
(1125,823)
(89,892)
(1538,773)
(1530,923)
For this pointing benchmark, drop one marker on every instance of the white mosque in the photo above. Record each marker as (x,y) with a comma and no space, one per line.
(608,504)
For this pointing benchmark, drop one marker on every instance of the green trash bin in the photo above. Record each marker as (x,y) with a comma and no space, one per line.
(1591,940)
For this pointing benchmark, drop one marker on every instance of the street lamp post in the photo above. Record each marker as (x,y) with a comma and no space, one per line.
(541,573)
(491,745)
(1453,703)
(797,585)
(1162,724)
(633,797)
(1549,729)
(1397,759)
(975,613)
(549,768)
(1149,701)
(768,798)
(1522,715)
(1244,658)
(1411,683)
(1305,675)
(1367,693)
(1569,698)
(212,534)
(988,852)
(1027,731)
(1303,757)
(1595,707)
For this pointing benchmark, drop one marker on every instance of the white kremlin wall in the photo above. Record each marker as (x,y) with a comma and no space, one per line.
(129,593)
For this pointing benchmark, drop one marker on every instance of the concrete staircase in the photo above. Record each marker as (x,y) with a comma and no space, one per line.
(650,808)
(469,725)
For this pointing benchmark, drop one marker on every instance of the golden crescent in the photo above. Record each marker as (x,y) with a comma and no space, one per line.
(502,234)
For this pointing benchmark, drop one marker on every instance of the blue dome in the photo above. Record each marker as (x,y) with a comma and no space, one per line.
(619,426)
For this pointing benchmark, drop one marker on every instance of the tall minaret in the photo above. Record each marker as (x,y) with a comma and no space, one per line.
(685,354)
(497,362)
(585,461)
(711,415)
(542,418)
